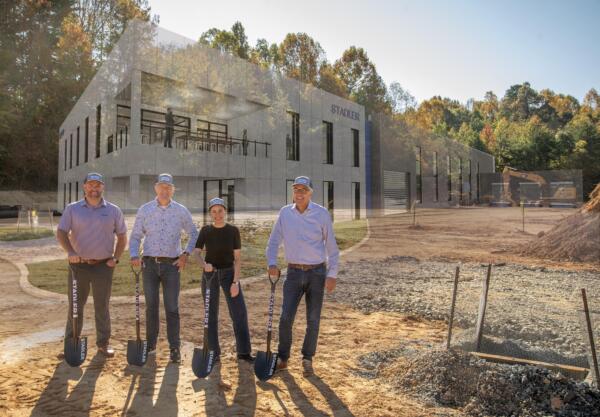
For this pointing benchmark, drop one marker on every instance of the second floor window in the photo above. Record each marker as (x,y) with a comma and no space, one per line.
(292,139)
(327,146)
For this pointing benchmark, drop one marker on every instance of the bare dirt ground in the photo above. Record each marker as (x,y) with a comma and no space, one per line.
(33,382)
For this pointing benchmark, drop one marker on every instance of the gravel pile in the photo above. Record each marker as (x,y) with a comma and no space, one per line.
(478,388)
(533,313)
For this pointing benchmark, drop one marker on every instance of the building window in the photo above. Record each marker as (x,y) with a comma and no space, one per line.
(460,180)
(292,139)
(436,194)
(70,199)
(289,192)
(76,190)
(71,151)
(123,122)
(77,148)
(418,170)
(327,146)
(98,128)
(470,181)
(356,200)
(477,182)
(109,144)
(449,177)
(328,197)
(66,146)
(87,138)
(355,148)
(64,195)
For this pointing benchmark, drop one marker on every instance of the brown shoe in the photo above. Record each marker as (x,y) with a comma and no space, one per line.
(281,365)
(106,351)
(307,368)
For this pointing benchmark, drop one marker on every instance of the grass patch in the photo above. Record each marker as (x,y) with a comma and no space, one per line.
(10,234)
(51,275)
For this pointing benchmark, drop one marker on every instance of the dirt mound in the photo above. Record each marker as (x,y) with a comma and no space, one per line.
(479,388)
(575,238)
(593,206)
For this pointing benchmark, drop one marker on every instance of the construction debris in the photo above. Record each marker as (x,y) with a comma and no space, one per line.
(457,379)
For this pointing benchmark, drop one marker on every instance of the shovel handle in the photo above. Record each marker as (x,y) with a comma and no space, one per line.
(74,309)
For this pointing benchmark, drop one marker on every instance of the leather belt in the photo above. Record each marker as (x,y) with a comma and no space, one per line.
(93,261)
(305,267)
(161,259)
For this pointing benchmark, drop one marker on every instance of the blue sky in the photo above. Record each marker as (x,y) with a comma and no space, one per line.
(456,49)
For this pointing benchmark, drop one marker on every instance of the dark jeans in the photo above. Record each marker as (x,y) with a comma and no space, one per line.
(298,283)
(168,275)
(99,278)
(237,311)
(168,137)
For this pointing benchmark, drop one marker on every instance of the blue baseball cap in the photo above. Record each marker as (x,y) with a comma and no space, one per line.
(216,202)
(304,181)
(94,176)
(165,179)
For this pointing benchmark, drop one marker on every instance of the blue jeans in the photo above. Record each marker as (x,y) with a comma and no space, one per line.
(237,311)
(298,283)
(154,274)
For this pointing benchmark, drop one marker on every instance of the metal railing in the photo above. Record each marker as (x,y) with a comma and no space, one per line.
(183,139)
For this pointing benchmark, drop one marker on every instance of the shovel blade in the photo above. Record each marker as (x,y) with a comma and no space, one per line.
(202,362)
(75,350)
(137,352)
(265,365)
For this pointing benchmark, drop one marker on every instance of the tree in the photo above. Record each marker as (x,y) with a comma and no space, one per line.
(301,57)
(233,41)
(363,83)
(329,81)
(400,99)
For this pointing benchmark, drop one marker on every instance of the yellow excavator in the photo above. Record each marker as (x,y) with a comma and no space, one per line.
(540,192)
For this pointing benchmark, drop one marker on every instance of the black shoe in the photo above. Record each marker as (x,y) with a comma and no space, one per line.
(175,355)
(246,357)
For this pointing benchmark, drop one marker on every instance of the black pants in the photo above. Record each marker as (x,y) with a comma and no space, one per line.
(98,277)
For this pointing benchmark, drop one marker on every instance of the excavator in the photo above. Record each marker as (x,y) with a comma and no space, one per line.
(540,193)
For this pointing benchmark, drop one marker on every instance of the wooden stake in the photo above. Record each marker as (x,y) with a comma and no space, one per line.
(482,307)
(590,330)
(456,274)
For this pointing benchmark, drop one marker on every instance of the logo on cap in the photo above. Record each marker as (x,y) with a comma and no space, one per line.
(165,179)
(303,180)
(216,202)
(94,176)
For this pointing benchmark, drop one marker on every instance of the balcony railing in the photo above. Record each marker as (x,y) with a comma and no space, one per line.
(214,142)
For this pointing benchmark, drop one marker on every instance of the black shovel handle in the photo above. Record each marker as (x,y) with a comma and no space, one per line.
(74,306)
(137,302)
(271,308)
(208,281)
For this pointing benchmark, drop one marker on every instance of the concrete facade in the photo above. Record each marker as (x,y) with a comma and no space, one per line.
(251,109)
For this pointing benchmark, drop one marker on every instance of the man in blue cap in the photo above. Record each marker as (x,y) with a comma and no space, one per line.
(160,223)
(87,232)
(312,254)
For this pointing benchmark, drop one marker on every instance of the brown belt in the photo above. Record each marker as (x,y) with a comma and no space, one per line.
(161,259)
(305,267)
(93,261)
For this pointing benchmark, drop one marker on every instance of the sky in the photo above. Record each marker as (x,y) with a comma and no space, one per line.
(458,49)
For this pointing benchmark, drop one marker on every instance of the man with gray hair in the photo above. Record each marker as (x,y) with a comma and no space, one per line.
(160,223)
(87,232)
(306,231)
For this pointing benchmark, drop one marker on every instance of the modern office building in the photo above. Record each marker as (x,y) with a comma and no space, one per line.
(237,131)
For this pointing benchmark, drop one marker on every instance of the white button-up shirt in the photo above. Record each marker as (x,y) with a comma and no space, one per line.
(307,237)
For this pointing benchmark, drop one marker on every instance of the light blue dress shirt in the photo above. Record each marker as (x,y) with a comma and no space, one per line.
(161,227)
(307,237)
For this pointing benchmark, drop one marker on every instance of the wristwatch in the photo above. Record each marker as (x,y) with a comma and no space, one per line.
(115,259)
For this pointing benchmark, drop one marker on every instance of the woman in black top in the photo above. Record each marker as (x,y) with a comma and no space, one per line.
(222,262)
